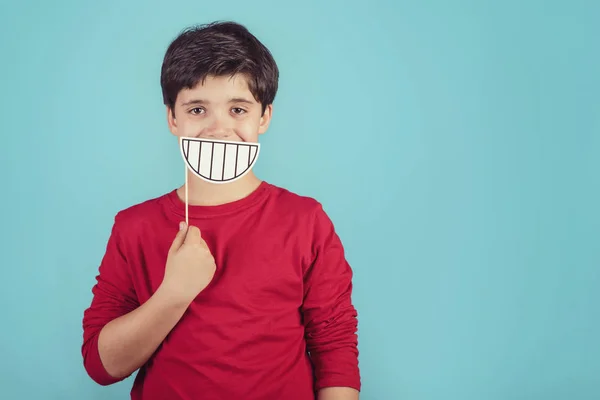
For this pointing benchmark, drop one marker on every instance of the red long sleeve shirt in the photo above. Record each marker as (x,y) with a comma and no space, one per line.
(276,321)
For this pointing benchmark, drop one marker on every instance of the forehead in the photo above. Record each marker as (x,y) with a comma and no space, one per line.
(216,89)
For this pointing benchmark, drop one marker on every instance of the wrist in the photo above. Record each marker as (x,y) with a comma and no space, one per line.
(171,298)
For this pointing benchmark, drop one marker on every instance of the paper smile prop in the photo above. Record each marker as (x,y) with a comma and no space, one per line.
(218,161)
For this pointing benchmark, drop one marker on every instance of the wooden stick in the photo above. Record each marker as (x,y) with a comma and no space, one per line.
(187,222)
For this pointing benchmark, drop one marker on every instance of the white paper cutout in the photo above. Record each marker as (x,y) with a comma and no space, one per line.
(216,161)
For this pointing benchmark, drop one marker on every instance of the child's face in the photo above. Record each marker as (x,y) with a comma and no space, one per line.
(220,108)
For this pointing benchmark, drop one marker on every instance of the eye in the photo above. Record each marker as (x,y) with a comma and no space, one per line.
(196,110)
(237,110)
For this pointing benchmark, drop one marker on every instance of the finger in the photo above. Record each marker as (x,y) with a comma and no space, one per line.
(179,238)
(193,235)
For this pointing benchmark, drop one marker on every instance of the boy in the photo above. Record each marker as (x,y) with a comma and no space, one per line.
(252,300)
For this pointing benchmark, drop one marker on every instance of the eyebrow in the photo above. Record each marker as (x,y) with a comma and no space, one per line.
(201,101)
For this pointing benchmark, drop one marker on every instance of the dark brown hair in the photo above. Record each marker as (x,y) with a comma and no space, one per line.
(218,49)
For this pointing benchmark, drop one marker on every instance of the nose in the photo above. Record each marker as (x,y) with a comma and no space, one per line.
(217,128)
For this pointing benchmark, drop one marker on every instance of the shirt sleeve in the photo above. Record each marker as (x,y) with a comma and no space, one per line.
(329,316)
(113,296)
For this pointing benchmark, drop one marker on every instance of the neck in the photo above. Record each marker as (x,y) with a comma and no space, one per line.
(203,193)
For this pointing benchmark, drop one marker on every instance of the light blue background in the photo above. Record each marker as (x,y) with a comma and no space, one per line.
(455,145)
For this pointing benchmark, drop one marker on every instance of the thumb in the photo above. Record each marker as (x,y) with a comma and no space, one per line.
(179,238)
(193,235)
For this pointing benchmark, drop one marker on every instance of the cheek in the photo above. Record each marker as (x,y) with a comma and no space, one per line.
(247,129)
(188,127)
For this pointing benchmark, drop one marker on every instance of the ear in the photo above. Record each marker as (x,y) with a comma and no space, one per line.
(171,121)
(265,120)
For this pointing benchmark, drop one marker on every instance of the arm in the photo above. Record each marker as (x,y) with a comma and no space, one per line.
(119,334)
(126,343)
(338,393)
(330,318)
